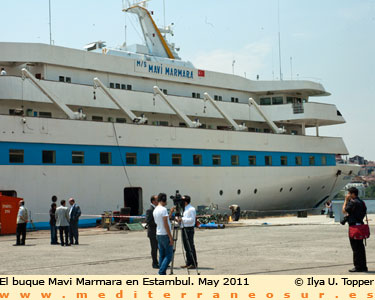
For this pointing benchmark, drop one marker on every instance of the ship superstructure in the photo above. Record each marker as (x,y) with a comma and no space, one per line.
(111,127)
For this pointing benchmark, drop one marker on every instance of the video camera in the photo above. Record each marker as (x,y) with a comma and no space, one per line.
(178,202)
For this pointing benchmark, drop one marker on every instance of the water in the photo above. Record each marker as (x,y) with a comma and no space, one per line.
(370,203)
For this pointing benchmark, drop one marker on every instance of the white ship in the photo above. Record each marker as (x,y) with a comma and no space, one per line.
(111,127)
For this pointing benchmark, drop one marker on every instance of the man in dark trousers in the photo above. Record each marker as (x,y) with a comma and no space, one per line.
(151,231)
(356,210)
(74,214)
(22,219)
(62,223)
(52,223)
(188,223)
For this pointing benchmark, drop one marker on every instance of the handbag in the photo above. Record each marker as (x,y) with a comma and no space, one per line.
(359,232)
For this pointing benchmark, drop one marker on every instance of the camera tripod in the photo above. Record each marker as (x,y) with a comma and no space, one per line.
(176,228)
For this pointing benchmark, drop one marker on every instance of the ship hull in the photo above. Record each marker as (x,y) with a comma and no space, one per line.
(98,188)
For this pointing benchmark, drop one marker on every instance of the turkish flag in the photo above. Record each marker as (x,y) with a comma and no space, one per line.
(201,73)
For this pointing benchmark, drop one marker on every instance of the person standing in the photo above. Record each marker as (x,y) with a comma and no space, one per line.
(62,222)
(3,72)
(52,223)
(22,219)
(74,214)
(151,231)
(356,210)
(163,234)
(188,223)
(236,212)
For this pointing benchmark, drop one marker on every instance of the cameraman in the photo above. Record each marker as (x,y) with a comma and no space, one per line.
(355,209)
(188,223)
(163,234)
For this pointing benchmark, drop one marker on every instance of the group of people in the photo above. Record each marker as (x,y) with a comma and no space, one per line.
(62,218)
(159,229)
(159,232)
(65,220)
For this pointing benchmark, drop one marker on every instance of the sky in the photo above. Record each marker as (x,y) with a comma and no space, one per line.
(331,42)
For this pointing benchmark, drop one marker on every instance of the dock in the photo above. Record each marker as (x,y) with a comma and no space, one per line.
(278,245)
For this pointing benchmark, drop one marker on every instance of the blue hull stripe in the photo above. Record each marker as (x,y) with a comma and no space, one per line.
(33,156)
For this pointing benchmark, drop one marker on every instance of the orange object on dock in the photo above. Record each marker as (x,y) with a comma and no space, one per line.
(8,214)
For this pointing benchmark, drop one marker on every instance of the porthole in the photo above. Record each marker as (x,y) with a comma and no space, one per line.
(323,187)
(281,190)
(221,192)
(291,189)
(238,192)
(308,188)
(255,191)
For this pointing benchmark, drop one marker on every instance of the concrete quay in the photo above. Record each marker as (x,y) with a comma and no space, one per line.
(280,245)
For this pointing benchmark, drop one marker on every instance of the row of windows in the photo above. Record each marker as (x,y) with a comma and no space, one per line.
(120,86)
(78,157)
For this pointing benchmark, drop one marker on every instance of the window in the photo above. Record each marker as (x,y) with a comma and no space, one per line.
(61,78)
(129,87)
(131,158)
(277,100)
(176,159)
(197,160)
(111,85)
(216,160)
(234,99)
(78,157)
(120,120)
(182,124)
(268,160)
(252,160)
(105,158)
(118,86)
(265,101)
(235,160)
(324,160)
(16,156)
(123,86)
(196,95)
(218,98)
(154,159)
(49,157)
(38,76)
(289,100)
(45,114)
(298,160)
(16,112)
(97,118)
(312,160)
(283,160)
(165,92)
(163,123)
(68,79)
(266,130)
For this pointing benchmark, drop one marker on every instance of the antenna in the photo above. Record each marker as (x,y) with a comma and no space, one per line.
(126,25)
(291,68)
(278,18)
(50,23)
(164,11)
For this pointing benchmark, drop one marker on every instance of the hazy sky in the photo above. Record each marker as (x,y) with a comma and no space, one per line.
(330,41)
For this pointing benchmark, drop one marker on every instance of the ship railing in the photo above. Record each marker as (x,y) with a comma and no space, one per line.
(298,108)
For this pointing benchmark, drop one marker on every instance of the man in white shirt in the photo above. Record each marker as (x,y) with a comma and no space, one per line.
(22,219)
(187,224)
(3,72)
(163,234)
